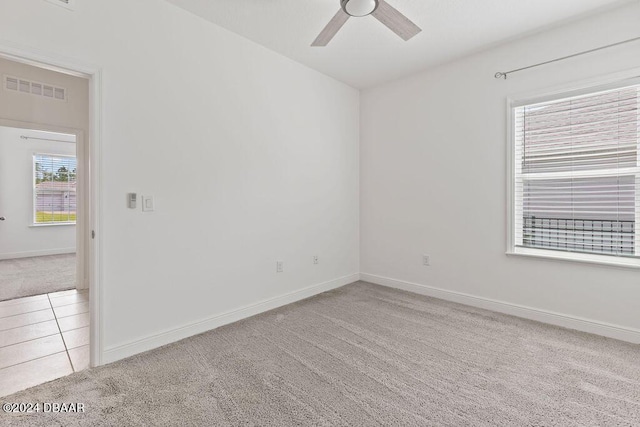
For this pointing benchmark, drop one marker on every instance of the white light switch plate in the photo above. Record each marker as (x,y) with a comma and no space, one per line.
(148,205)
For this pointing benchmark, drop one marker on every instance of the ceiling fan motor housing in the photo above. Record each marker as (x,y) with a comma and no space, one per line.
(359,8)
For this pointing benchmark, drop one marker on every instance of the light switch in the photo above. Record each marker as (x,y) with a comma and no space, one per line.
(147,204)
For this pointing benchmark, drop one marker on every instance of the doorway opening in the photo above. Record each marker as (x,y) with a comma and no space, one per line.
(38,213)
(44,225)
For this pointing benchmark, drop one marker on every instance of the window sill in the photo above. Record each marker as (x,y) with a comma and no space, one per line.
(610,261)
(55,224)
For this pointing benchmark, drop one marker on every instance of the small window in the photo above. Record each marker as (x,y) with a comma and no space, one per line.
(576,175)
(54,189)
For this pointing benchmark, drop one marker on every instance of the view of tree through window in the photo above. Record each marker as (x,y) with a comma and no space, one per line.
(54,189)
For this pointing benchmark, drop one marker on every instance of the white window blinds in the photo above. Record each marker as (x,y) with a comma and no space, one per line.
(54,189)
(577,173)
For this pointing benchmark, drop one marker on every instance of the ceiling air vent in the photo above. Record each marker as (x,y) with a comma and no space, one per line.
(15,84)
(67,4)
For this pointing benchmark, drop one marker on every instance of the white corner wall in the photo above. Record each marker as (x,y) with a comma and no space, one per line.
(251,157)
(433,181)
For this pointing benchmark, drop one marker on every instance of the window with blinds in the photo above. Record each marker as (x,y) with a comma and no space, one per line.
(54,192)
(577,173)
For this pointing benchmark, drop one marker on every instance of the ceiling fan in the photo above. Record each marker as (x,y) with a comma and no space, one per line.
(380,9)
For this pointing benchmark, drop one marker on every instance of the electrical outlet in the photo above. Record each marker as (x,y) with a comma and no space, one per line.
(315,259)
(426,260)
(279,266)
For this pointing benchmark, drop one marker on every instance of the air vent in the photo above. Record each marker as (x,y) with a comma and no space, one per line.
(25,86)
(67,4)
(36,88)
(15,84)
(11,83)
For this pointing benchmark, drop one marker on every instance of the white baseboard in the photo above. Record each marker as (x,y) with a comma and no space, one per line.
(29,254)
(567,321)
(172,335)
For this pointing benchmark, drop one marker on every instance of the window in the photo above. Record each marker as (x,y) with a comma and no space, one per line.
(576,176)
(54,189)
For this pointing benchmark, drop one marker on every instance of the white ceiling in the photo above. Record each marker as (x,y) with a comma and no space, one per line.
(365,53)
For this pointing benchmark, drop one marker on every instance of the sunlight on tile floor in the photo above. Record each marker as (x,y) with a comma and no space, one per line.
(42,338)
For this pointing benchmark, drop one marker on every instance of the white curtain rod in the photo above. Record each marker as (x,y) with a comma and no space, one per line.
(46,139)
(504,74)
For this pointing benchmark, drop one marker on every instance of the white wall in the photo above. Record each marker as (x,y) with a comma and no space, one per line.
(73,113)
(251,157)
(18,237)
(433,179)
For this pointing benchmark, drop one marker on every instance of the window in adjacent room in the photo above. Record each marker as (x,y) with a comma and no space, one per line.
(576,175)
(54,191)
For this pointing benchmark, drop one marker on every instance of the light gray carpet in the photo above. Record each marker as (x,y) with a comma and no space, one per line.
(23,277)
(362,355)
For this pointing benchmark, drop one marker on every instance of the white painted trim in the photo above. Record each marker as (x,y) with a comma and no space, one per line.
(30,254)
(637,248)
(95,248)
(511,174)
(51,224)
(46,59)
(175,334)
(559,319)
(585,258)
(54,61)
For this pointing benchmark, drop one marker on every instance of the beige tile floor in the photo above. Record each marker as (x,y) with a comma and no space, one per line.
(42,338)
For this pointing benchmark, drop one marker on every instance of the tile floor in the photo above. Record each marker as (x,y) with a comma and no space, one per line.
(42,338)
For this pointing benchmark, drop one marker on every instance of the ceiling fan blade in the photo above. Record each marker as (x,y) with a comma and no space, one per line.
(396,21)
(331,29)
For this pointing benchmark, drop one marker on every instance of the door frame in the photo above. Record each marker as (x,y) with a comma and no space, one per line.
(92,251)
